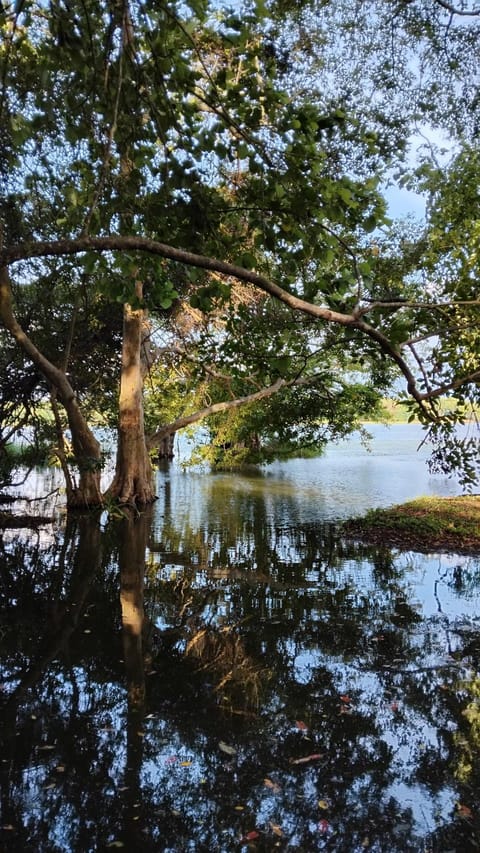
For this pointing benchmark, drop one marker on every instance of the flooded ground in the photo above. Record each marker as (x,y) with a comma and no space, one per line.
(225,673)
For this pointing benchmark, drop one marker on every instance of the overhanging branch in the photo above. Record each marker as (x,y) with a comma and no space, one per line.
(354,320)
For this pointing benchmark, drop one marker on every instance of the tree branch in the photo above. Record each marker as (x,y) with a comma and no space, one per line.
(449,7)
(215,409)
(78,245)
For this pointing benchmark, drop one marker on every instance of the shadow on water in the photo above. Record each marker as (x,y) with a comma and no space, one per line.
(205,678)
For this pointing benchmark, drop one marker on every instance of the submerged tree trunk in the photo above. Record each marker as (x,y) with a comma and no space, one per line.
(165,450)
(86,449)
(133,481)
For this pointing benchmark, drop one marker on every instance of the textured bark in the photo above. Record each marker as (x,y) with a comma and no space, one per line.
(133,481)
(86,448)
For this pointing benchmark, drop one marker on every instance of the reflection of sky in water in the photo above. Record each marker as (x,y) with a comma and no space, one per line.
(255,542)
(267,506)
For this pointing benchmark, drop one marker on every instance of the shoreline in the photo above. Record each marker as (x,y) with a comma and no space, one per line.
(449,524)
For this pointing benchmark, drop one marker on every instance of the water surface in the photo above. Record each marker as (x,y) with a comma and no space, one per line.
(227,673)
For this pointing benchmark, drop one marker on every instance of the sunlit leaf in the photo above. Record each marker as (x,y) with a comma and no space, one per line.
(250,836)
(314,757)
(274,786)
(228,750)
(464,811)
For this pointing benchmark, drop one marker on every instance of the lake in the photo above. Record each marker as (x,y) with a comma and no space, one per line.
(226,672)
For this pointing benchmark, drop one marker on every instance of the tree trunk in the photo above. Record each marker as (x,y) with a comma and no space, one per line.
(86,448)
(132,534)
(165,449)
(133,481)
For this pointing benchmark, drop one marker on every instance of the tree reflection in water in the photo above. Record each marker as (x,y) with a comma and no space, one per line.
(231,684)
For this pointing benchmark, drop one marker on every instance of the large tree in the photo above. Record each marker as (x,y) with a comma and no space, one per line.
(136,120)
(148,142)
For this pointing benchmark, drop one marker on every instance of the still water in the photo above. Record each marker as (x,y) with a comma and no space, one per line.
(227,673)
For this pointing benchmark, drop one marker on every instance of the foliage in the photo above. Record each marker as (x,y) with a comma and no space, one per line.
(224,146)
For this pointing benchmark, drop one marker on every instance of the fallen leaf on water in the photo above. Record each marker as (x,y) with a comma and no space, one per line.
(345,699)
(228,750)
(301,725)
(323,804)
(464,811)
(250,836)
(314,757)
(185,763)
(116,844)
(275,787)
(171,759)
(323,825)
(8,827)
(276,829)
(366,842)
(239,808)
(394,706)
(60,768)
(46,746)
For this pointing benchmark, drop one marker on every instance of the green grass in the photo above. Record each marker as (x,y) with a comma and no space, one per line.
(444,523)
(393,412)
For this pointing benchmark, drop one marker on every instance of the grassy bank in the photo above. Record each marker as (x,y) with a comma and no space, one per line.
(392,412)
(443,524)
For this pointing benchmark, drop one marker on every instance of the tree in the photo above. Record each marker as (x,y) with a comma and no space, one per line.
(135,152)
(184,124)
